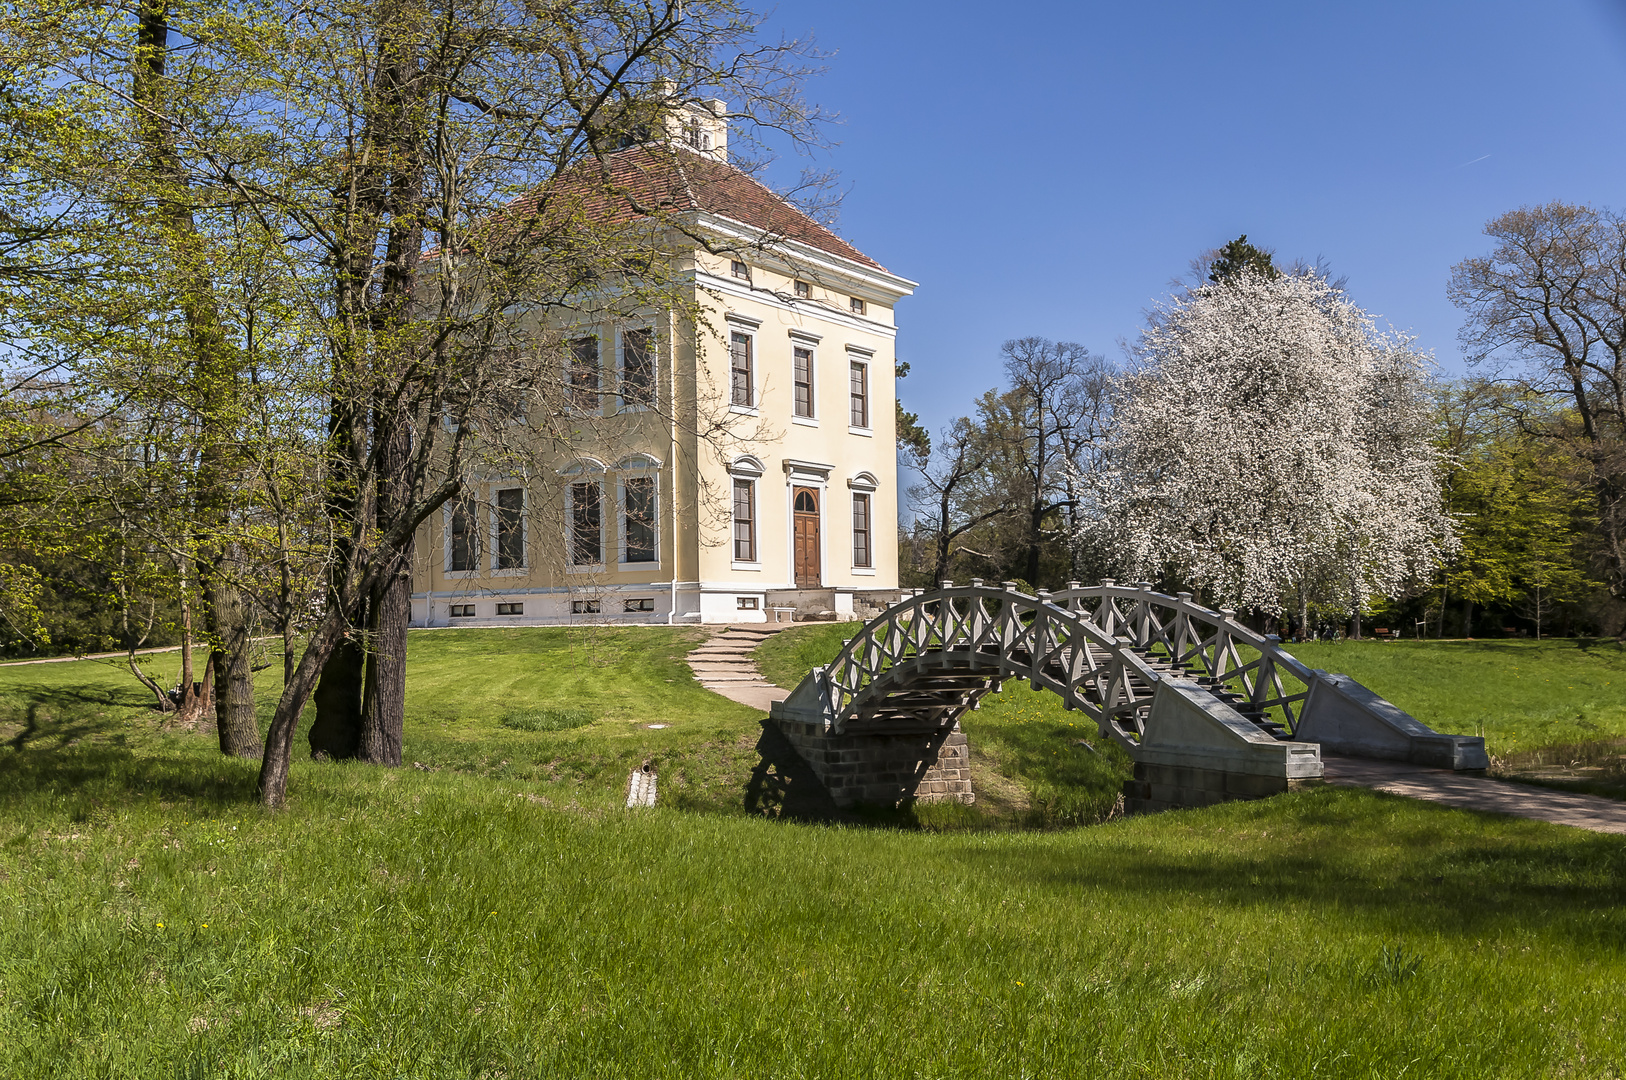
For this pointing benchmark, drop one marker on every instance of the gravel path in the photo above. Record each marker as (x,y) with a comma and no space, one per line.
(1442,786)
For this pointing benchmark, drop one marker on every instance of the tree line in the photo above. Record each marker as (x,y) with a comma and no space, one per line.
(1266,446)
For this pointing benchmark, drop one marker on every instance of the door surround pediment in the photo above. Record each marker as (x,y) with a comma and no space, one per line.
(813,472)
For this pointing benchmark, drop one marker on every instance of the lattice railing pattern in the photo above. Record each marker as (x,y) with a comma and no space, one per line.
(1208,643)
(1004,632)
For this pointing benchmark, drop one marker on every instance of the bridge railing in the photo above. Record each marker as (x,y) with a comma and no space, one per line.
(1009,633)
(1213,642)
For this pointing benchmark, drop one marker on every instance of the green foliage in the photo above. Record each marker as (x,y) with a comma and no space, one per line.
(914,441)
(1237,258)
(1524,522)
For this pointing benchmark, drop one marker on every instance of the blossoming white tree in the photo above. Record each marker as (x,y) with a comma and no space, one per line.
(1273,446)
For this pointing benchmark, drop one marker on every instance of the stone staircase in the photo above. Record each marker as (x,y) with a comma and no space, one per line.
(723,664)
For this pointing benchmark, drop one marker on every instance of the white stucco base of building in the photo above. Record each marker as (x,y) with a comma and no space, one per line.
(651,604)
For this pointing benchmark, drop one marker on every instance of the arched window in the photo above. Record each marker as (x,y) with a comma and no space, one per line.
(805,503)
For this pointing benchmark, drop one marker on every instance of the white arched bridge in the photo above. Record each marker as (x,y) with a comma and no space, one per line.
(1207,708)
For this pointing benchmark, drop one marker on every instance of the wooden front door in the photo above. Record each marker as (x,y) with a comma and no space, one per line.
(807,538)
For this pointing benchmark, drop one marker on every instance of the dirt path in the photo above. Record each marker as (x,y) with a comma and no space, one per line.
(1442,786)
(92,656)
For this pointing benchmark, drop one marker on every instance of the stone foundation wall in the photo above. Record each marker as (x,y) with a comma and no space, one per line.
(885,770)
(1170,787)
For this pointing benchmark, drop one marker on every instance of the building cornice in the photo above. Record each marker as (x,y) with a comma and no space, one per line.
(796,258)
(736,289)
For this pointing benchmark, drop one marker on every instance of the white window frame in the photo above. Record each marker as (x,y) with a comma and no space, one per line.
(750,470)
(524,529)
(621,368)
(865,361)
(748,327)
(447,510)
(650,472)
(863,484)
(570,363)
(810,342)
(571,565)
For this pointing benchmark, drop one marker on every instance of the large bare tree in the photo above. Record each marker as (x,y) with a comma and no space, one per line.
(1546,310)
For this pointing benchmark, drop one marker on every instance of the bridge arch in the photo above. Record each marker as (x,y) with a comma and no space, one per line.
(1177,685)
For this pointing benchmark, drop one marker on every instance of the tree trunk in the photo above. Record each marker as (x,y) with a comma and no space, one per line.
(234,701)
(336,731)
(279,740)
(383,714)
(1035,523)
(383,711)
(233,663)
(1356,636)
(197,697)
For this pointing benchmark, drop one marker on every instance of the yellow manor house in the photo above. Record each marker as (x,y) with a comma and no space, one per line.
(796,513)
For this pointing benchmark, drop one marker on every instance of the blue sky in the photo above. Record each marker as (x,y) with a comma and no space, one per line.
(1047,168)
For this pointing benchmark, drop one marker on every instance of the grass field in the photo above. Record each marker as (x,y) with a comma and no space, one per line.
(496,914)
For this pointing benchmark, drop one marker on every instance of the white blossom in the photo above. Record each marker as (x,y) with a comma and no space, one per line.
(1272,445)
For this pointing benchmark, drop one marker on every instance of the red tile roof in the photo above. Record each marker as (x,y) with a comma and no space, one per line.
(641,181)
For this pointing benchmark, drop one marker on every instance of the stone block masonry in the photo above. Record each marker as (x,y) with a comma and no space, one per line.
(1170,787)
(884,770)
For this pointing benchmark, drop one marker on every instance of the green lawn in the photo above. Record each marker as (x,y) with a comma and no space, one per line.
(1519,694)
(497,914)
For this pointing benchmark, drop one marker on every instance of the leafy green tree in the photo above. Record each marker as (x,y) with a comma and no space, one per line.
(1522,517)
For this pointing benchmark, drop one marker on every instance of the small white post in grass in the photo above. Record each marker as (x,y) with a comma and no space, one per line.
(641,786)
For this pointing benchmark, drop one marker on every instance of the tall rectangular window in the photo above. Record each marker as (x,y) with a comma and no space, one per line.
(583,376)
(462,536)
(739,363)
(862,554)
(802,376)
(510,529)
(637,367)
(745,521)
(639,493)
(586,524)
(858,393)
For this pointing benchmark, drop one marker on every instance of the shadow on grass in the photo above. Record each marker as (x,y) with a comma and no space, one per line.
(75,741)
(1404,866)
(63,712)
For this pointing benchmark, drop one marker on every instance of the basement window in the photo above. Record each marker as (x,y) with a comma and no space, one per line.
(510,609)
(584,607)
(747,603)
(462,611)
(641,604)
